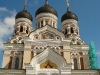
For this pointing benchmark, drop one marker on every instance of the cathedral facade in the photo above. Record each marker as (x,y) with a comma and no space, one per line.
(46,50)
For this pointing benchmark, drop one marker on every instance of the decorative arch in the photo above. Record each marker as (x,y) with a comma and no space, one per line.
(50,56)
(14,41)
(48,29)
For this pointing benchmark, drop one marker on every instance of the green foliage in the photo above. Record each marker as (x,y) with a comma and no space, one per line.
(92,56)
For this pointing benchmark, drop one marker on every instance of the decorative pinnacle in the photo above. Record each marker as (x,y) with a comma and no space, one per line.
(25,4)
(68,6)
(46,2)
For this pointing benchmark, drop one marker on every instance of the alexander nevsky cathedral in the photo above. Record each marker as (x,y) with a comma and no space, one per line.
(46,50)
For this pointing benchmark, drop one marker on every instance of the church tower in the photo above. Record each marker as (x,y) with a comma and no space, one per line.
(14,47)
(79,52)
(46,15)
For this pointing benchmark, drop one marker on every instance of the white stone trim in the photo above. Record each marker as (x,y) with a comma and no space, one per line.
(23,20)
(20,60)
(70,20)
(46,14)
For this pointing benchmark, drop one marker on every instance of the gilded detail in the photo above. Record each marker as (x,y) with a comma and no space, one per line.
(48,64)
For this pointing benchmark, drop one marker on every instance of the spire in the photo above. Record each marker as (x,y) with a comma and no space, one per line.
(25,4)
(68,6)
(46,2)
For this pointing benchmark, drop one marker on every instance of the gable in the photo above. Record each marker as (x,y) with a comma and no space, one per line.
(47,33)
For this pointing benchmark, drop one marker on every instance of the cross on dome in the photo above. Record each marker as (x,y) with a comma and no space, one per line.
(25,4)
(68,6)
(46,2)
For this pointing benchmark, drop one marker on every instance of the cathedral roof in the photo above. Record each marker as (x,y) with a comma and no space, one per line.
(69,15)
(46,9)
(24,14)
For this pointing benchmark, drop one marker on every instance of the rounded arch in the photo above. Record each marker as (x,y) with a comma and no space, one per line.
(48,29)
(51,55)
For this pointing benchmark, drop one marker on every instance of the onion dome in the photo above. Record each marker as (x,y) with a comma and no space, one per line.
(46,9)
(69,15)
(24,14)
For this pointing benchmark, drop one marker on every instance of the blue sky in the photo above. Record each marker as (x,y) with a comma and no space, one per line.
(88,12)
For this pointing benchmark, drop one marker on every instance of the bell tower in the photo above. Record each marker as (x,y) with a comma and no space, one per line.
(71,30)
(23,22)
(14,47)
(46,15)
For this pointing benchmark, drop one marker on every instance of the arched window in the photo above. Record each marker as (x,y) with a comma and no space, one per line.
(21,29)
(72,31)
(46,22)
(16,63)
(27,30)
(75,63)
(42,23)
(53,24)
(65,31)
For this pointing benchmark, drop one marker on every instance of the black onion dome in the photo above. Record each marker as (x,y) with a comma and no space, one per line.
(46,9)
(69,15)
(24,14)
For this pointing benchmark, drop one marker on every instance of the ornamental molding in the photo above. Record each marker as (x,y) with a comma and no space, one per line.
(23,20)
(47,43)
(45,15)
(13,46)
(85,72)
(70,21)
(48,54)
(51,55)
(48,29)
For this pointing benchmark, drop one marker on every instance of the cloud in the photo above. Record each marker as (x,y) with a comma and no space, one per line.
(6,24)
(3,9)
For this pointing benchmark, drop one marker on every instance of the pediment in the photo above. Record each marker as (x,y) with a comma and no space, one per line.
(47,33)
(46,55)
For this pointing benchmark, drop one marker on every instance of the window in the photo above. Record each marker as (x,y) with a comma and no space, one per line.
(75,63)
(16,63)
(65,31)
(72,30)
(42,23)
(27,30)
(53,24)
(46,22)
(21,29)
